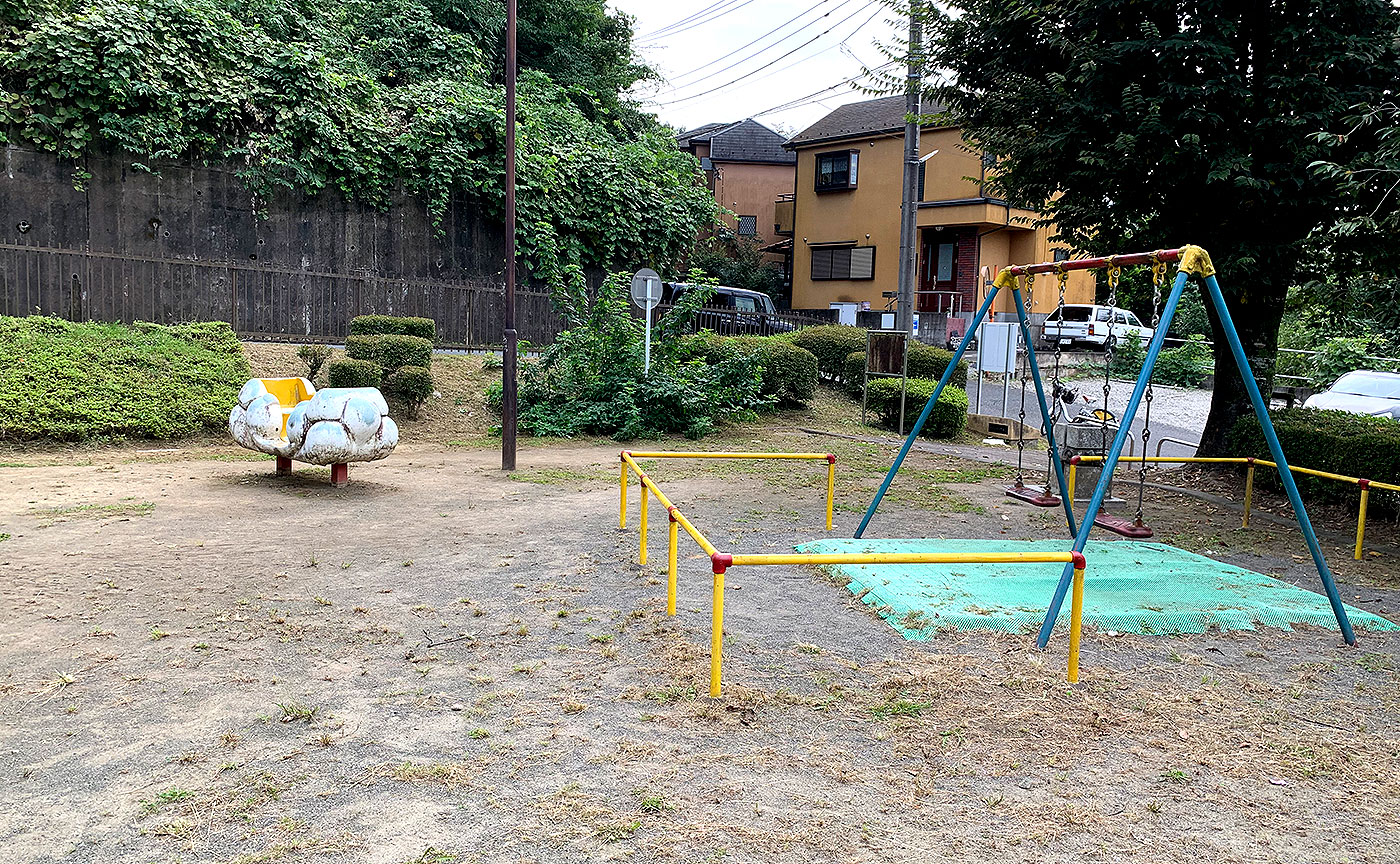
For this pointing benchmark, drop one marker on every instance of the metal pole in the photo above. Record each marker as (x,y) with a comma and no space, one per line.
(908,245)
(646,358)
(1044,412)
(508,362)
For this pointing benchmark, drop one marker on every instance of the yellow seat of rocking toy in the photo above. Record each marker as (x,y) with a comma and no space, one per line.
(289,392)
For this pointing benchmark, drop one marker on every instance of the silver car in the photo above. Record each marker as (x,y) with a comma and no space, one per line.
(1361,392)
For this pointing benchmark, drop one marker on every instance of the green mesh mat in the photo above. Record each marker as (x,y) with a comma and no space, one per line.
(1129,586)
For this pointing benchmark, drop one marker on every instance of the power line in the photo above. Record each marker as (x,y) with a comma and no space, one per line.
(748,74)
(760,38)
(799,61)
(727,8)
(690,17)
(821,94)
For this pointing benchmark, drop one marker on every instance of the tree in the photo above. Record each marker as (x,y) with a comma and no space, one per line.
(1146,124)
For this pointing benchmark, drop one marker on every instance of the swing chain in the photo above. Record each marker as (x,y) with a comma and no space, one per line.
(1028,302)
(1114,273)
(1062,275)
(1159,273)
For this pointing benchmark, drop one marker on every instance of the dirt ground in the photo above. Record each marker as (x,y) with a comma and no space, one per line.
(442,662)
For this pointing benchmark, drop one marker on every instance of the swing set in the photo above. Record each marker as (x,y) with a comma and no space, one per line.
(1190,261)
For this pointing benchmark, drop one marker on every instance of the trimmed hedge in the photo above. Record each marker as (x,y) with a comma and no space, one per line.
(68,381)
(1335,441)
(353,373)
(789,372)
(925,361)
(832,344)
(390,351)
(412,385)
(371,325)
(947,419)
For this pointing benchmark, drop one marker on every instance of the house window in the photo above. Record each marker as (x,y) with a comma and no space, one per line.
(748,226)
(837,170)
(843,262)
(1061,255)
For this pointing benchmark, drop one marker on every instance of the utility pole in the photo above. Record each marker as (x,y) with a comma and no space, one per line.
(909,208)
(508,361)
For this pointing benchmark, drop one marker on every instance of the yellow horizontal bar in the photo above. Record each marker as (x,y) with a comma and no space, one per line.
(907,558)
(1180,460)
(666,502)
(644,454)
(1239,460)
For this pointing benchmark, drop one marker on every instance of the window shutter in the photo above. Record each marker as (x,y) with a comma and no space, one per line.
(862,262)
(748,226)
(821,263)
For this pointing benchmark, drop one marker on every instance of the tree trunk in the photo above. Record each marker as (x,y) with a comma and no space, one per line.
(1256,306)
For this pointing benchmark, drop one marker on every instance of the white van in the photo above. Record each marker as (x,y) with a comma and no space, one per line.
(1090,325)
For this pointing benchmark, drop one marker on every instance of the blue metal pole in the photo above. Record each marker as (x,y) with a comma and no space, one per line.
(928,409)
(1111,460)
(1044,410)
(1261,411)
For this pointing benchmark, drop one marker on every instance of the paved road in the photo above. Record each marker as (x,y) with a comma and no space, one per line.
(1176,412)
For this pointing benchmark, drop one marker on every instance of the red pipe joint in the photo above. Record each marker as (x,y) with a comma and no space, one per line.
(671,513)
(1250,460)
(1074,460)
(831,458)
(1078,560)
(1364,483)
(720,562)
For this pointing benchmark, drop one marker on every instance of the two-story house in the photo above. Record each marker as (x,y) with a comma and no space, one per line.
(748,168)
(850,168)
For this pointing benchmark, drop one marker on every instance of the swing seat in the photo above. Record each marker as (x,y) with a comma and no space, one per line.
(1032,495)
(1121,526)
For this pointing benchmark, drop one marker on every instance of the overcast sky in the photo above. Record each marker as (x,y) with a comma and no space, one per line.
(825,43)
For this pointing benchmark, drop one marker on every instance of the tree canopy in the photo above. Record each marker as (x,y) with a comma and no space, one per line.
(366,96)
(1147,124)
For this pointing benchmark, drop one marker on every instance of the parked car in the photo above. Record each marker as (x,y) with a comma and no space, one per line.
(752,311)
(1361,392)
(1089,325)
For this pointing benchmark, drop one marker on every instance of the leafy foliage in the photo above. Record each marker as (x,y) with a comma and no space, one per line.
(789,372)
(947,419)
(1128,356)
(1152,124)
(368,97)
(832,344)
(1335,441)
(73,382)
(591,380)
(315,356)
(353,373)
(1186,365)
(925,361)
(390,351)
(366,325)
(411,385)
(739,263)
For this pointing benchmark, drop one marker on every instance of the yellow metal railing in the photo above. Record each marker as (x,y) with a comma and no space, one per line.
(720,562)
(1365,484)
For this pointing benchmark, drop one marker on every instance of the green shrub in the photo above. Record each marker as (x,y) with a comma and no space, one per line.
(411,385)
(390,351)
(353,373)
(789,373)
(1185,366)
(591,379)
(492,363)
(1128,356)
(832,344)
(1337,441)
(372,325)
(925,361)
(315,356)
(946,420)
(1336,357)
(71,382)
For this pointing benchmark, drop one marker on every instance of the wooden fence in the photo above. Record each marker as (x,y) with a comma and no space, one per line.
(287,304)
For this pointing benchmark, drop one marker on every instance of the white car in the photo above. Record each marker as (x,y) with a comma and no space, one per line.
(1090,325)
(1361,392)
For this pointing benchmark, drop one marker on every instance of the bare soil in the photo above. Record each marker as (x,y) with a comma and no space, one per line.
(443,662)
